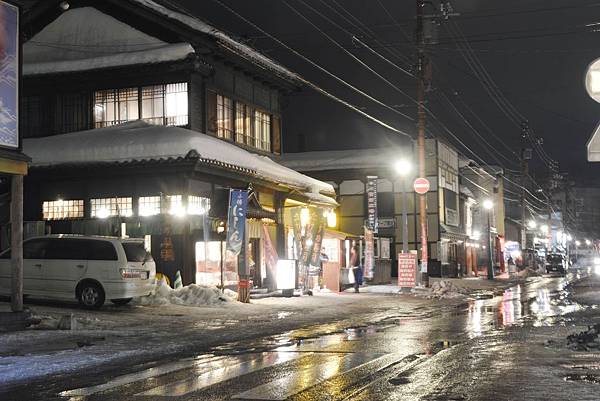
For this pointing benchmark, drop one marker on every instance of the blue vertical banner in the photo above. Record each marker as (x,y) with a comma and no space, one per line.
(9,75)
(372,215)
(236,220)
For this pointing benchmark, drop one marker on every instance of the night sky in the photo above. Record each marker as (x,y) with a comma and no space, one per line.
(536,53)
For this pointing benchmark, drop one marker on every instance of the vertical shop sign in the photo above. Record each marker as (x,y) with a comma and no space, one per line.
(407,270)
(372,203)
(316,248)
(9,76)
(369,266)
(236,220)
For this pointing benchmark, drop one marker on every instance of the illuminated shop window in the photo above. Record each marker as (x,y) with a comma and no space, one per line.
(62,209)
(198,205)
(107,207)
(224,117)
(149,205)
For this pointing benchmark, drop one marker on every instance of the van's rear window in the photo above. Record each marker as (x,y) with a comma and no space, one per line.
(136,252)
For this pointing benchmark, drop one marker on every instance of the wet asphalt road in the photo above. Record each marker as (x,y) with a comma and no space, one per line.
(473,351)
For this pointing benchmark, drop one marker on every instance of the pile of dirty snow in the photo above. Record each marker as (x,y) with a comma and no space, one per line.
(585,340)
(192,295)
(442,289)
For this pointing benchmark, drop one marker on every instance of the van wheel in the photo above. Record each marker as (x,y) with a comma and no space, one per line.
(121,301)
(90,295)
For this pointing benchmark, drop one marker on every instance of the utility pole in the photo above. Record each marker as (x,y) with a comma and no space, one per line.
(423,74)
(525,157)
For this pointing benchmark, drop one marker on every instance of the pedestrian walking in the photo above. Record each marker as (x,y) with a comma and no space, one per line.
(356,267)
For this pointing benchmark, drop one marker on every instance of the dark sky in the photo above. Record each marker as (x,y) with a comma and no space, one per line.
(536,53)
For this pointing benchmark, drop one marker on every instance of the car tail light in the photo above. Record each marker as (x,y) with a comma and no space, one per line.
(134,273)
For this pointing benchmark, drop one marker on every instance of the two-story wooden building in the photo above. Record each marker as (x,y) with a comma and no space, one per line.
(139,118)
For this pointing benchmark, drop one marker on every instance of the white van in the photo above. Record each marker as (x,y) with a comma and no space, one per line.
(89,269)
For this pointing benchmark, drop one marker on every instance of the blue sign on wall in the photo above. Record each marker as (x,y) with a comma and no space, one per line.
(9,75)
(236,220)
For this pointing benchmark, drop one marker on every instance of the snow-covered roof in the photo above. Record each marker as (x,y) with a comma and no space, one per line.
(223,39)
(344,159)
(139,141)
(85,39)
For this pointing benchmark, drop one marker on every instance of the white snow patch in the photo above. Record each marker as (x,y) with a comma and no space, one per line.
(191,295)
(84,39)
(343,159)
(137,141)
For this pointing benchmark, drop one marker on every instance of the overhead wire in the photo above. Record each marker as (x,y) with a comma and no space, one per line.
(316,87)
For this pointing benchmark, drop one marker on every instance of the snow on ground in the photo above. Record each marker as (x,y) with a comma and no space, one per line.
(193,295)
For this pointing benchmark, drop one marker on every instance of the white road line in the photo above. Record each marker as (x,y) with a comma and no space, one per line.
(283,388)
(144,374)
(260,361)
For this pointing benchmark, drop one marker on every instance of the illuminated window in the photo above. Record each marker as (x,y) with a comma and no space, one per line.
(165,104)
(198,205)
(175,204)
(107,207)
(262,131)
(115,106)
(62,209)
(149,205)
(243,124)
(224,117)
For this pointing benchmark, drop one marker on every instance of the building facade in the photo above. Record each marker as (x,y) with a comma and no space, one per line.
(141,118)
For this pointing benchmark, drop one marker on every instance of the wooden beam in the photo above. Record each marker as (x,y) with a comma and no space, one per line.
(9,166)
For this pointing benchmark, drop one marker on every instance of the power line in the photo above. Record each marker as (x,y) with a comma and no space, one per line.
(314,86)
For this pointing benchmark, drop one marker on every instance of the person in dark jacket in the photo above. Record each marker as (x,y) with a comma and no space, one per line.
(355,265)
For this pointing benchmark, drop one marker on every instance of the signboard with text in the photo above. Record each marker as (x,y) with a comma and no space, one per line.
(236,220)
(372,203)
(407,270)
(369,266)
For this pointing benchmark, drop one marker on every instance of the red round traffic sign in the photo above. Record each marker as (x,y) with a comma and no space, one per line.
(421,185)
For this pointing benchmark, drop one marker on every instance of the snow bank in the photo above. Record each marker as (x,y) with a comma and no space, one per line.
(191,295)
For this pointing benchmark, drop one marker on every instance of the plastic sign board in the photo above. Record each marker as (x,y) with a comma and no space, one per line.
(407,270)
(372,212)
(421,186)
(286,274)
(9,75)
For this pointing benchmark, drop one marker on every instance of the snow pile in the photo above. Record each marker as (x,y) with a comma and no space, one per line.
(585,340)
(441,289)
(191,295)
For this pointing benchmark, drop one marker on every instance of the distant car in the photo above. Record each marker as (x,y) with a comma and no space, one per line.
(87,268)
(556,263)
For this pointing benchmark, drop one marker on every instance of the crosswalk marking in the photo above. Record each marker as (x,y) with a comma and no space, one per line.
(202,361)
(281,389)
(186,386)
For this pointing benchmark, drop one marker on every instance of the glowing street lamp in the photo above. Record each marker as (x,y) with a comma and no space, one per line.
(532,224)
(588,242)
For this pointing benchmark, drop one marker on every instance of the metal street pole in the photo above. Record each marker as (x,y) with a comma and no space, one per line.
(404,217)
(422,74)
(490,249)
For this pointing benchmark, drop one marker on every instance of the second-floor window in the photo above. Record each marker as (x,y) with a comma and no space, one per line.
(165,104)
(224,117)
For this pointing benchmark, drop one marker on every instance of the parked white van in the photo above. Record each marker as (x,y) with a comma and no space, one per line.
(87,268)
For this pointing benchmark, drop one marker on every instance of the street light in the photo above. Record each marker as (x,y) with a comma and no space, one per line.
(403,168)
(577,243)
(488,205)
(588,242)
(532,224)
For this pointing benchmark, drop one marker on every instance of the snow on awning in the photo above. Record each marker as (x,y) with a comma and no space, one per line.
(139,141)
(345,159)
